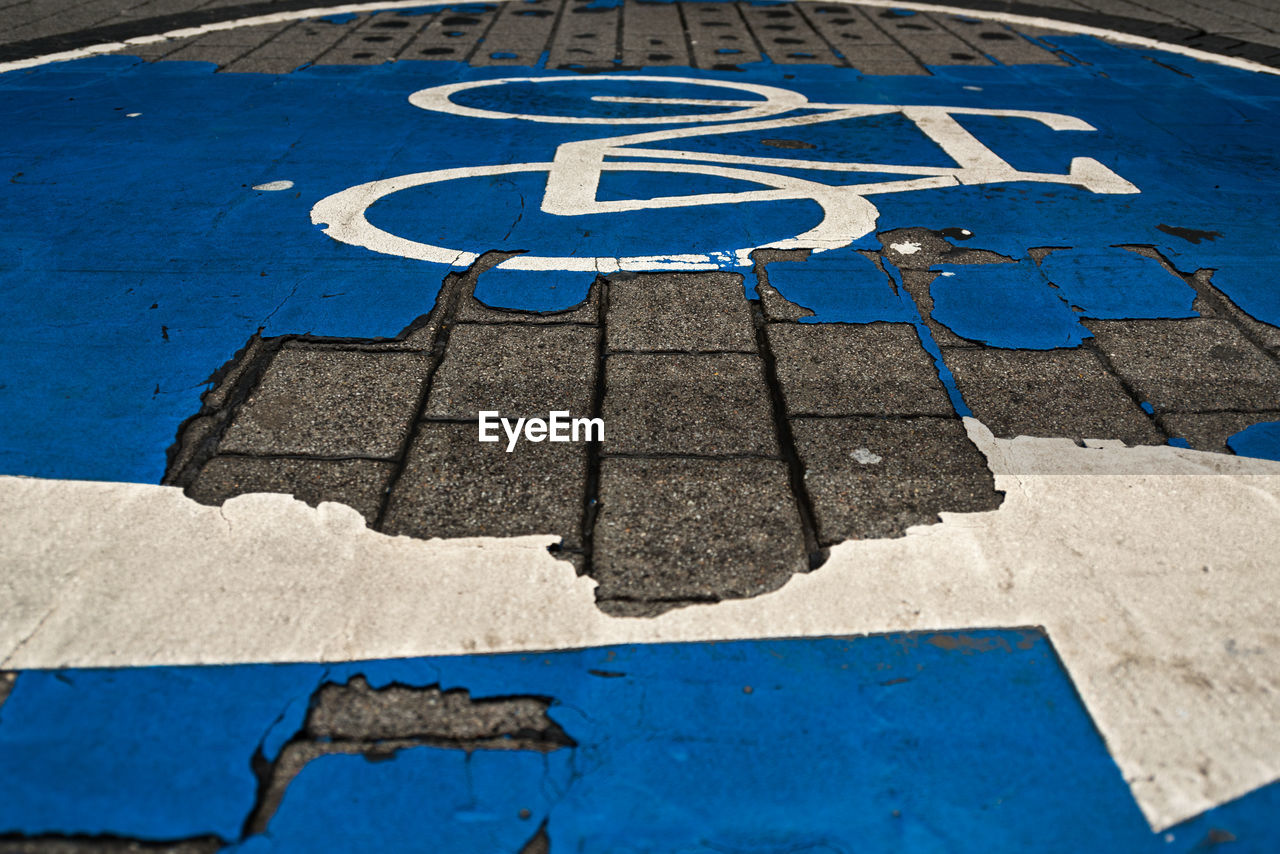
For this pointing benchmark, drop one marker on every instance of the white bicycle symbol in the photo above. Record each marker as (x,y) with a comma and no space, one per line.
(573,175)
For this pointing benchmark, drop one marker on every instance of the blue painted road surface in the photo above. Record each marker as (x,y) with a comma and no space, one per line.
(137,259)
(158,216)
(937,742)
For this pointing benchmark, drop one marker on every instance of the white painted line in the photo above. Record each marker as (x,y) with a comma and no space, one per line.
(1151,568)
(356,8)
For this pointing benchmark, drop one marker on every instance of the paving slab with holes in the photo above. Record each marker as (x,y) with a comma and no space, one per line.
(639,426)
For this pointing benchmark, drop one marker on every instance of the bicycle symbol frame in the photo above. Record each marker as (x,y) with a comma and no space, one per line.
(573,175)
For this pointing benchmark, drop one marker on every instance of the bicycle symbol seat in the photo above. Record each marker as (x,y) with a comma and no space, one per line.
(575,170)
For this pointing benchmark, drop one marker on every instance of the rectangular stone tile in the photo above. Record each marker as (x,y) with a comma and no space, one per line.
(220,55)
(453,485)
(519,34)
(875,477)
(1192,365)
(247,36)
(519,370)
(718,35)
(255,63)
(674,403)
(1210,431)
(305,39)
(856,369)
(653,34)
(1053,393)
(586,36)
(996,41)
(674,530)
(376,39)
(928,41)
(330,403)
(359,484)
(785,35)
(857,37)
(450,34)
(679,311)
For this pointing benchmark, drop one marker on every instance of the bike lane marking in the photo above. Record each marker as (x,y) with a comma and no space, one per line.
(36,640)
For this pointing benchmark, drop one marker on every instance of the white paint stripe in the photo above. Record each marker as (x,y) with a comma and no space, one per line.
(1151,568)
(349,8)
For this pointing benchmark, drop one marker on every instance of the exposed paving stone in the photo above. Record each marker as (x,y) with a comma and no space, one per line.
(671,532)
(456,486)
(1066,393)
(785,35)
(376,39)
(1193,365)
(875,477)
(357,719)
(997,41)
(451,34)
(518,370)
(922,248)
(675,403)
(357,712)
(330,403)
(772,303)
(653,34)
(718,36)
(856,369)
(1210,431)
(360,484)
(861,41)
(520,33)
(587,37)
(672,311)
(928,41)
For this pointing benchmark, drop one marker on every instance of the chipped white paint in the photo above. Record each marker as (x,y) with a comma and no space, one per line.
(1152,569)
(274,186)
(132,115)
(574,173)
(909,248)
(1031,21)
(865,456)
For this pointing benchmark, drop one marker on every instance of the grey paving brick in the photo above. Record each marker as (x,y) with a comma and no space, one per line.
(257,64)
(1193,365)
(359,484)
(679,311)
(786,36)
(451,34)
(456,486)
(1210,431)
(519,370)
(857,38)
(1064,393)
(304,40)
(997,41)
(377,39)
(218,54)
(856,369)
(928,41)
(718,35)
(675,403)
(245,36)
(672,530)
(653,34)
(520,33)
(356,712)
(330,403)
(586,36)
(875,477)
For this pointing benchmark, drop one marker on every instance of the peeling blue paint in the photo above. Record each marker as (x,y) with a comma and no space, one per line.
(1004,305)
(826,745)
(1258,440)
(109,216)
